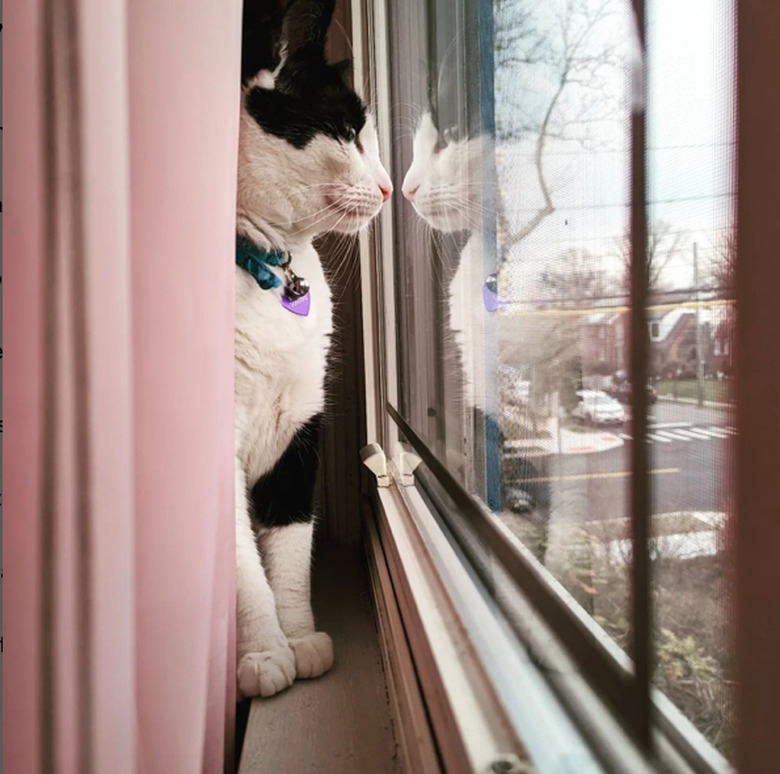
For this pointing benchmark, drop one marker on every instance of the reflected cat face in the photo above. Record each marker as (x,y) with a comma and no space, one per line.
(443,182)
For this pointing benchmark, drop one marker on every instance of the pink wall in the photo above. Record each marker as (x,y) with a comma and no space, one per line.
(141,119)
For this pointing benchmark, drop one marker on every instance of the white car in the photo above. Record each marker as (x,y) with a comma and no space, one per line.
(598,408)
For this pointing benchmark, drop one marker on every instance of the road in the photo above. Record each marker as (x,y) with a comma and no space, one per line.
(690,455)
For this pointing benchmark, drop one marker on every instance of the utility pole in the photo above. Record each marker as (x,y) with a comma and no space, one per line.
(699,353)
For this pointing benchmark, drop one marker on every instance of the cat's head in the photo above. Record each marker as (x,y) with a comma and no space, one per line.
(308,151)
(443,180)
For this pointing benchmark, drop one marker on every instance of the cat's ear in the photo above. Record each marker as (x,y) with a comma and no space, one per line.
(344,69)
(261,28)
(305,28)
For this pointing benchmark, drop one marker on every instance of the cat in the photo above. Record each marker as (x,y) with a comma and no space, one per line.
(447,187)
(308,164)
(442,184)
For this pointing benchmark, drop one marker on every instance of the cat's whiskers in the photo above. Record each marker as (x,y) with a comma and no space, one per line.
(415,110)
(471,207)
(339,263)
(314,219)
(352,269)
(428,233)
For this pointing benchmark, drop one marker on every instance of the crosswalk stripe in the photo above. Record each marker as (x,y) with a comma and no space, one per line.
(684,434)
(691,434)
(697,432)
(674,435)
(716,432)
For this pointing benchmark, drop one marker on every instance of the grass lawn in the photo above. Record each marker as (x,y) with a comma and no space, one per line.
(719,392)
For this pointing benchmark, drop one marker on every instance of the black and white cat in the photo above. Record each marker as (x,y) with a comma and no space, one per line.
(308,163)
(443,183)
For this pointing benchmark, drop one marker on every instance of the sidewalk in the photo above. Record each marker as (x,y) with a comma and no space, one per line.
(692,401)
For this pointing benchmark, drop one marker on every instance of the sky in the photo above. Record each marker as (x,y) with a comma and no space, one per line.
(690,142)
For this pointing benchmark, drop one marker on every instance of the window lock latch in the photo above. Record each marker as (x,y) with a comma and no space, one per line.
(407,462)
(374,459)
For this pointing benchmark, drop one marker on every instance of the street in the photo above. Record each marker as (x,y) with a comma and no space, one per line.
(689,462)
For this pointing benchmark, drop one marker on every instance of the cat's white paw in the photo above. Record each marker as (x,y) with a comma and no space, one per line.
(313,654)
(266,673)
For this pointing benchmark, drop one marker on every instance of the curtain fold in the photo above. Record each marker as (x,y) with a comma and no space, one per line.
(118,555)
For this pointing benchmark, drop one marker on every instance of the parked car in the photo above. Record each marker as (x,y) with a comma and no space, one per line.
(598,408)
(622,391)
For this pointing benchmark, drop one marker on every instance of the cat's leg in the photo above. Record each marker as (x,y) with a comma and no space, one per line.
(265,661)
(283,506)
(286,552)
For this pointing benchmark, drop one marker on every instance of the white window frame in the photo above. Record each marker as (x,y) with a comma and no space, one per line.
(465,657)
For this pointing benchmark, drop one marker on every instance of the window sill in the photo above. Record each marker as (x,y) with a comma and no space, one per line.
(339,723)
(485,696)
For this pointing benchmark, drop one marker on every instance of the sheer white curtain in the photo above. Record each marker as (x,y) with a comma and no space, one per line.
(118,556)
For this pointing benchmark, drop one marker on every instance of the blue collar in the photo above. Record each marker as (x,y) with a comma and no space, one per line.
(257,260)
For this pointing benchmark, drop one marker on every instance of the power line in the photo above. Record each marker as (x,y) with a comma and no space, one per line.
(622,236)
(626,205)
(606,151)
(623,309)
(622,297)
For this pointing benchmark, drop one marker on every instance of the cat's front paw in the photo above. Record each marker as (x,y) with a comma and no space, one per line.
(313,654)
(266,673)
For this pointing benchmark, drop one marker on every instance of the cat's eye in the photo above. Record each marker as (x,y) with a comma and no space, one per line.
(446,137)
(350,134)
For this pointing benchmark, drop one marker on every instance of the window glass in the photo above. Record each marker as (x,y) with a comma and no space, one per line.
(511,272)
(563,101)
(512,261)
(691,261)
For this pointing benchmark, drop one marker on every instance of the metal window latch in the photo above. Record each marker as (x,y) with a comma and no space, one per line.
(509,763)
(407,462)
(374,459)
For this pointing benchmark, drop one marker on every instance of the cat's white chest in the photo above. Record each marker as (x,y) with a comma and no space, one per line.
(281,359)
(467,318)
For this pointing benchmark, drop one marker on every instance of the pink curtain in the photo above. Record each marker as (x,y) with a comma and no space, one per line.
(121,145)
(184,61)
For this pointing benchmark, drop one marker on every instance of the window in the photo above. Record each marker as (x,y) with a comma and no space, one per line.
(587,474)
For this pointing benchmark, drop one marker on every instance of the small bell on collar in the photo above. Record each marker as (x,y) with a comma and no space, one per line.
(294,286)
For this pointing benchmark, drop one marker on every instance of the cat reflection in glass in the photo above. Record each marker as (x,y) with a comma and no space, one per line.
(444,185)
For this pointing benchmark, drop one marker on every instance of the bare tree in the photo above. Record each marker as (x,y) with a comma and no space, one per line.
(571,58)
(559,73)
(548,343)
(663,243)
(723,265)
(516,39)
(577,277)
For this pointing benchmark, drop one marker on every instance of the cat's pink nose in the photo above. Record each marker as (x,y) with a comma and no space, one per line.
(386,192)
(410,192)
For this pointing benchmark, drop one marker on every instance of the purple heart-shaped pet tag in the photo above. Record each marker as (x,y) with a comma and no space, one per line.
(298,305)
(490,298)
